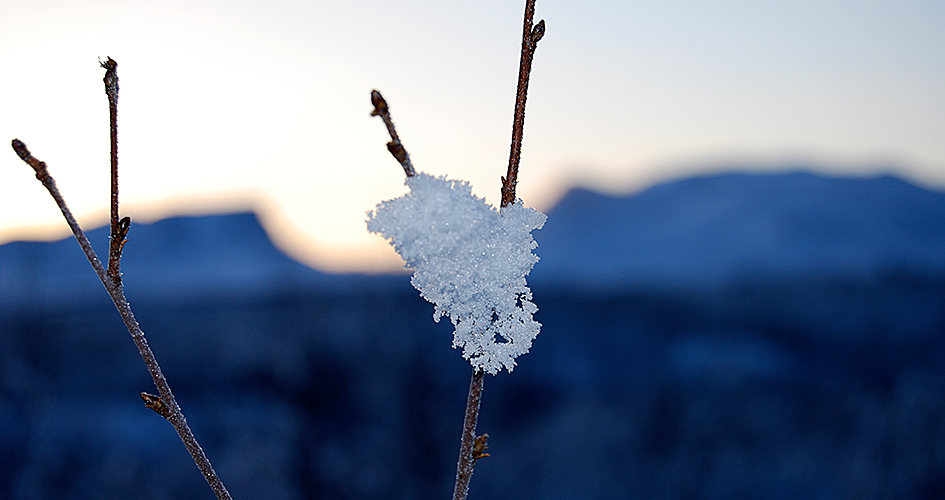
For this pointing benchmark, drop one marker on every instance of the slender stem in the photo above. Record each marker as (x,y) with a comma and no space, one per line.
(394,146)
(530,36)
(471,447)
(118,230)
(116,292)
(467,458)
(43,175)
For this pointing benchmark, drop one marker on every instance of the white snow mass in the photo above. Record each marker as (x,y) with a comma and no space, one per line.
(471,261)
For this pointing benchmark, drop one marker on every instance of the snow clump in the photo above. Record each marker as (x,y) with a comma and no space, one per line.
(471,261)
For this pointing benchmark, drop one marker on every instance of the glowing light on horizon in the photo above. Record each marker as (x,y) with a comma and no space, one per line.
(245,105)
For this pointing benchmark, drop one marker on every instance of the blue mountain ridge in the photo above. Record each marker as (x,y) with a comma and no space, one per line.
(710,231)
(178,258)
(701,232)
(771,336)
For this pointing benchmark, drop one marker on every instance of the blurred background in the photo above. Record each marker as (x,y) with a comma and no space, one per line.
(243,104)
(742,281)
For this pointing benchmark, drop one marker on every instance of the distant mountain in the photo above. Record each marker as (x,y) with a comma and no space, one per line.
(702,232)
(179,257)
(734,336)
(715,230)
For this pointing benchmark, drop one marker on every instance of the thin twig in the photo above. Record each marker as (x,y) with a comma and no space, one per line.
(467,448)
(472,447)
(530,37)
(394,146)
(119,229)
(170,409)
(43,175)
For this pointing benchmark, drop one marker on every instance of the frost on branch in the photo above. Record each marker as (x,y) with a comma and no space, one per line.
(471,261)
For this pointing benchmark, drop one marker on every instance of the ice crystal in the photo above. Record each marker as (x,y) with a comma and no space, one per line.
(470,260)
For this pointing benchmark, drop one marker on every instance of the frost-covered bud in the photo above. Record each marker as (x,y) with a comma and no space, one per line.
(471,261)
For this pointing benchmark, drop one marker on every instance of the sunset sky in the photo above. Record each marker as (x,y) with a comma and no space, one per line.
(265,105)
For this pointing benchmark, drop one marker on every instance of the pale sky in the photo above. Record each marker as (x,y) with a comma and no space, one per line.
(265,105)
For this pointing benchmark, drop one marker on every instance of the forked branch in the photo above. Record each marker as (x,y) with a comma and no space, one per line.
(119,228)
(165,404)
(473,447)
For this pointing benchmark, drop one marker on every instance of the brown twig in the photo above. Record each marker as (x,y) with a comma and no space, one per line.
(530,37)
(168,407)
(468,452)
(467,448)
(472,447)
(119,229)
(394,146)
(50,184)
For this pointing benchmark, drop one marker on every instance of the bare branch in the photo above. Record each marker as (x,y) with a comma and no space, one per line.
(43,175)
(530,36)
(394,146)
(472,448)
(467,450)
(169,407)
(118,230)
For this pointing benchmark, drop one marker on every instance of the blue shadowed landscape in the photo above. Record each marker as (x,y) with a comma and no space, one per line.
(756,336)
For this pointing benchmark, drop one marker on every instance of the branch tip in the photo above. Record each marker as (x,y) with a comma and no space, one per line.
(395,147)
(118,227)
(531,34)
(21,150)
(380,104)
(109,63)
(111,76)
(24,153)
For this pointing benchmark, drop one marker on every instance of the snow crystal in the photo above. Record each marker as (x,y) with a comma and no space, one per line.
(471,261)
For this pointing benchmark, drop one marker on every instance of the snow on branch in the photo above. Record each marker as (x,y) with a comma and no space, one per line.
(471,261)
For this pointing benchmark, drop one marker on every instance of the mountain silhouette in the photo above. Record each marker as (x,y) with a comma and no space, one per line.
(740,335)
(696,232)
(715,230)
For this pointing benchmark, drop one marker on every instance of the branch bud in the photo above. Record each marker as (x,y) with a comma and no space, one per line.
(538,31)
